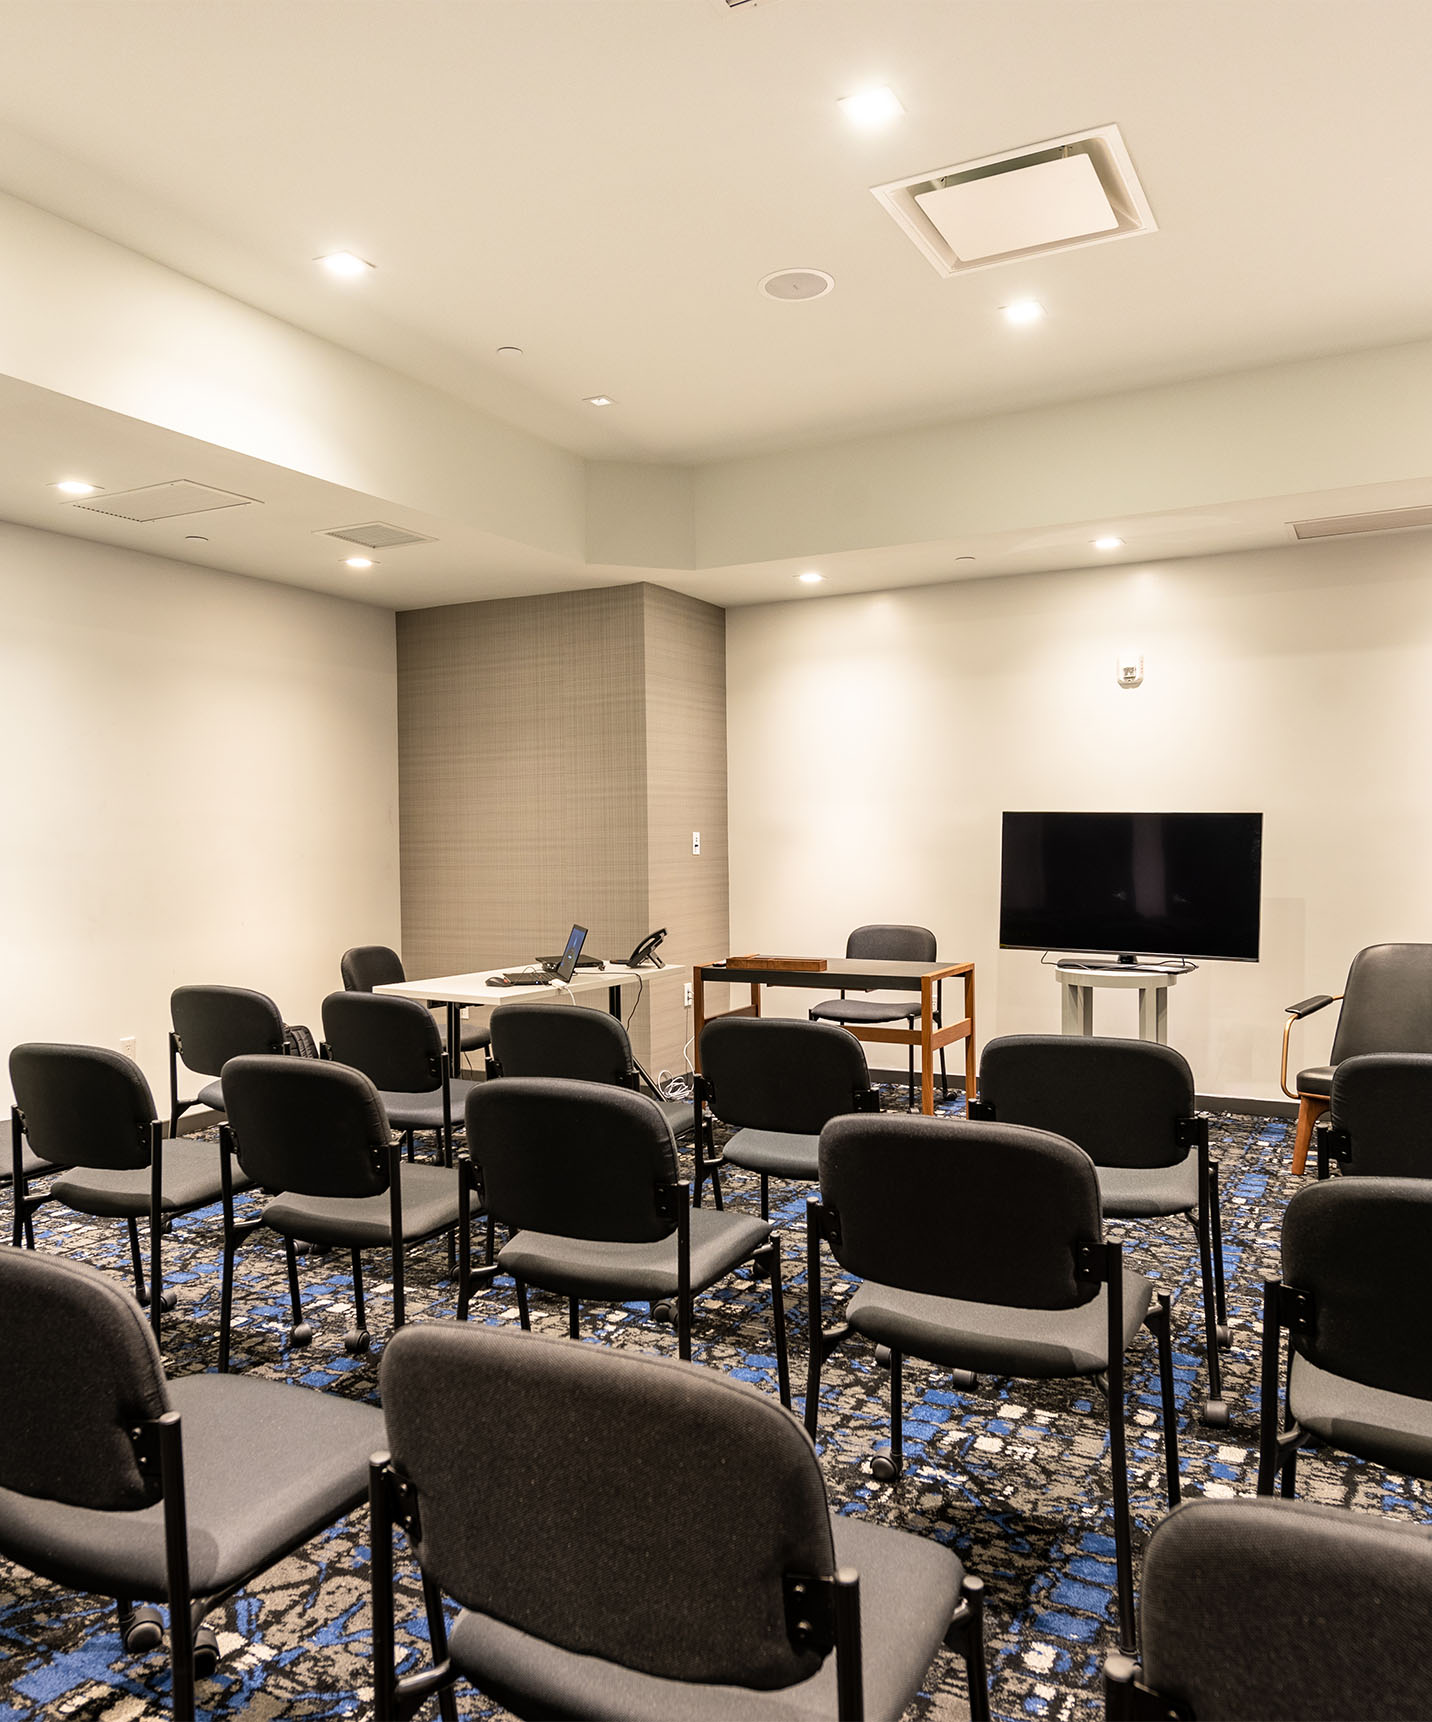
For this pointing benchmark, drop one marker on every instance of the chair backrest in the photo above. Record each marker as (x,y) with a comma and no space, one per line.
(215,1024)
(991,1213)
(769,1073)
(578,1159)
(1387,1002)
(83,1105)
(893,944)
(307,1126)
(555,1040)
(1120,1100)
(1362,1247)
(1382,1102)
(81,1372)
(369,966)
(1223,1636)
(395,1042)
(648,1511)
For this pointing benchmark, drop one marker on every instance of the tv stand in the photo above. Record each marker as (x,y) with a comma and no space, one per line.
(1077,981)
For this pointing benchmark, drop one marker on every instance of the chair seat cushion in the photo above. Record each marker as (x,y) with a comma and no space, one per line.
(1037,1344)
(865,1010)
(191,1180)
(430,1204)
(1390,1428)
(425,1111)
(584,1267)
(474,1035)
(1144,1192)
(680,1116)
(32,1166)
(776,1153)
(1318,1080)
(266,1466)
(212,1095)
(909,1588)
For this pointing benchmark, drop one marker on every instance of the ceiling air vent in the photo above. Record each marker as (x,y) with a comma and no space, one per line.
(1382,520)
(1055,196)
(376,535)
(162,501)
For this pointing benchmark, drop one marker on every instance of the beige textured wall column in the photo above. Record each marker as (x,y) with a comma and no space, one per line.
(555,755)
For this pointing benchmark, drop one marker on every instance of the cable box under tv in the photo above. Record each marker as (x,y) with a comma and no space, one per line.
(806,964)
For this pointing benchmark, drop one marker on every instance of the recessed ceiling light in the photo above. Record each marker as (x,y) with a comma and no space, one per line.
(870,109)
(599,400)
(76,487)
(797,284)
(358,562)
(345,263)
(1109,542)
(1023,311)
(810,577)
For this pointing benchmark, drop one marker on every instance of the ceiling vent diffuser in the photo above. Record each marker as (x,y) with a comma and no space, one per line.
(1055,196)
(1382,520)
(163,501)
(376,535)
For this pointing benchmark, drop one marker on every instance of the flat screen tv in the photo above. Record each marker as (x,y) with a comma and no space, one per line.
(1151,884)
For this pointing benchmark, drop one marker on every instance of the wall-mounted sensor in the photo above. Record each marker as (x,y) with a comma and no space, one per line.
(1129,669)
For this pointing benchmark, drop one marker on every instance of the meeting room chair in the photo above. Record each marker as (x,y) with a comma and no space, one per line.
(116,1481)
(396,1044)
(896,944)
(1386,1007)
(213,1024)
(17,1179)
(669,1551)
(776,1083)
(1352,1296)
(1379,1118)
(1223,1632)
(1129,1104)
(89,1112)
(316,1137)
(535,1039)
(585,1178)
(367,966)
(980,1248)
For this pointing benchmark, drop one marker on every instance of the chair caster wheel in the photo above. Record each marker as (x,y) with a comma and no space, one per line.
(300,1335)
(884,1469)
(356,1343)
(882,1356)
(964,1380)
(142,1630)
(664,1312)
(206,1653)
(1225,1337)
(1215,1413)
(168,1300)
(143,1298)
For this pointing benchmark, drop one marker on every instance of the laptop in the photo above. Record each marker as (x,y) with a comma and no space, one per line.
(548,968)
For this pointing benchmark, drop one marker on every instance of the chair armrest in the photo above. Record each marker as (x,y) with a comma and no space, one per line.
(1296,1013)
(1306,1007)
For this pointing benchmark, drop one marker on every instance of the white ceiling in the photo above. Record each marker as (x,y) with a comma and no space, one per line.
(604,182)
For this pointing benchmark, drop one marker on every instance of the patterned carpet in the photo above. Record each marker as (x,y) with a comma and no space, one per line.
(1013,1475)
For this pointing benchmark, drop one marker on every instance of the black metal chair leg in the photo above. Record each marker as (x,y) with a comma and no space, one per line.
(765,1197)
(137,1261)
(437,1642)
(1215,1409)
(888,1468)
(524,1315)
(300,1332)
(1160,1319)
(574,1314)
(772,1253)
(357,1340)
(1215,1214)
(1123,1533)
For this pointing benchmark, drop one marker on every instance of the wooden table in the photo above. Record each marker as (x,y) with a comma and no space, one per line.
(860,974)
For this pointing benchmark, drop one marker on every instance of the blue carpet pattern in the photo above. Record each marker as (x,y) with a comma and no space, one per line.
(1014,1474)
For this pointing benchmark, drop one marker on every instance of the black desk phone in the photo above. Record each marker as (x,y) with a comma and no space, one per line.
(645,954)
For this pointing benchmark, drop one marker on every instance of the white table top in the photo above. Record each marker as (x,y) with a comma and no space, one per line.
(1127,975)
(474,990)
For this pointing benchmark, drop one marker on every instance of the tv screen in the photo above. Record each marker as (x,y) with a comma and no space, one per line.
(1152,884)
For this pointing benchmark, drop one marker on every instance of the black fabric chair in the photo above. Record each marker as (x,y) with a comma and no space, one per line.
(316,1133)
(1225,1634)
(114,1481)
(895,944)
(659,1546)
(981,1249)
(1129,1104)
(369,966)
(585,1178)
(396,1044)
(534,1039)
(777,1083)
(1379,1119)
(1386,1007)
(211,1026)
(87,1113)
(1353,1297)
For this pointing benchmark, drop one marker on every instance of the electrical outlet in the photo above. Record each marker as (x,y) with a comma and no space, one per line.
(695,842)
(128,1045)
(686,995)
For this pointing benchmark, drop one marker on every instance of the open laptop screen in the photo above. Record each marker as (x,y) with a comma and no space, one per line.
(575,940)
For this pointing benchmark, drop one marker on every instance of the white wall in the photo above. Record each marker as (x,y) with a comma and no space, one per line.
(199,780)
(875,741)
